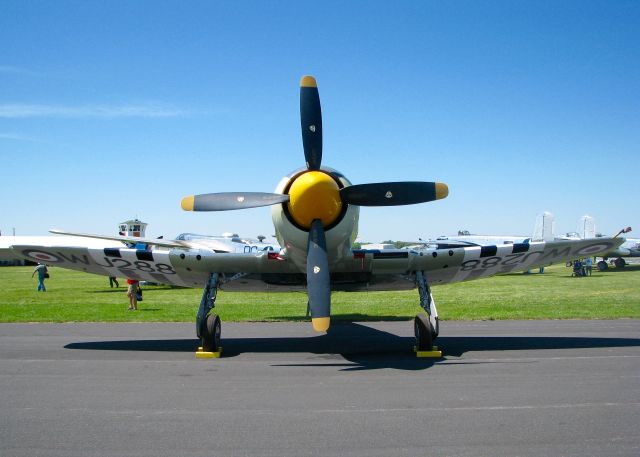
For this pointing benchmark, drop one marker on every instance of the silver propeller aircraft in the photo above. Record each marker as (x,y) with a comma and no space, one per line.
(315,213)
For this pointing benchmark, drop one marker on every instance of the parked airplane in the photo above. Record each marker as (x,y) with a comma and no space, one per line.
(464,238)
(315,213)
(630,248)
(542,231)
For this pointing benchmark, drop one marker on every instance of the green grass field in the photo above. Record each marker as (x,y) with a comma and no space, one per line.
(80,297)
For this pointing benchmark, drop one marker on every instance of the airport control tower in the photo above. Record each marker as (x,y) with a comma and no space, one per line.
(133,227)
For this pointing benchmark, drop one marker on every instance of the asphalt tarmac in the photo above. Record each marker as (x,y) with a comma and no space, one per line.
(506,388)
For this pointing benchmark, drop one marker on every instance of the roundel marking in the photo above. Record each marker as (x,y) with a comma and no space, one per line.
(592,249)
(316,269)
(41,256)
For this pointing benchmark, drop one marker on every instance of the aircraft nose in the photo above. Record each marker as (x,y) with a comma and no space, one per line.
(314,195)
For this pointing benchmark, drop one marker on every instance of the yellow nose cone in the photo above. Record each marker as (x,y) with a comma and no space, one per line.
(314,195)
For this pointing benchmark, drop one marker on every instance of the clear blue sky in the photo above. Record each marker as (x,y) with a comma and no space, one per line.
(111,110)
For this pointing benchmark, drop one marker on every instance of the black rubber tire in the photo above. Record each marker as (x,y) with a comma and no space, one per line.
(602,265)
(211,334)
(423,332)
(620,262)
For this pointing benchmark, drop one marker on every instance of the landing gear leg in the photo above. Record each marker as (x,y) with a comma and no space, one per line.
(426,326)
(208,325)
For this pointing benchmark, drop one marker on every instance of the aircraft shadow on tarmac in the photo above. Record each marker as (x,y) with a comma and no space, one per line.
(354,346)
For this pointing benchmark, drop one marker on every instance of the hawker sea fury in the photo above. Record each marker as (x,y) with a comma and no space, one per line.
(315,215)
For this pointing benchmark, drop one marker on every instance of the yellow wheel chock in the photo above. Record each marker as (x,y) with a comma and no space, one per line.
(434,354)
(200,354)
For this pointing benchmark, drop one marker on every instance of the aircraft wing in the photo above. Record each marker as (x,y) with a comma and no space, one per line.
(187,267)
(371,270)
(394,269)
(464,264)
(179,244)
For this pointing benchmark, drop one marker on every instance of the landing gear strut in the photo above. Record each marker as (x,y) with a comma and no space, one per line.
(426,326)
(208,325)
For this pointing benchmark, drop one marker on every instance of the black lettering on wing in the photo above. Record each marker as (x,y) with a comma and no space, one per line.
(123,264)
(74,259)
(512,260)
(526,257)
(109,263)
(165,269)
(552,254)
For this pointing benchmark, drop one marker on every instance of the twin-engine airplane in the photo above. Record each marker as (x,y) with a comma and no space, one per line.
(315,214)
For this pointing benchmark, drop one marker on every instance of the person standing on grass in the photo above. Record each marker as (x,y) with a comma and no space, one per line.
(588,266)
(43,273)
(131,293)
(113,280)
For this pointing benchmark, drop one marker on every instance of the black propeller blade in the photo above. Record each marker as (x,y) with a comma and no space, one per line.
(318,280)
(393,193)
(311,122)
(225,201)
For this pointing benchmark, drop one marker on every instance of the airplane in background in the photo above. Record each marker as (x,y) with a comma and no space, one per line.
(543,231)
(629,248)
(227,242)
(315,212)
(465,239)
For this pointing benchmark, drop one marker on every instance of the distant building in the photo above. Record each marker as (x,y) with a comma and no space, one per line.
(133,227)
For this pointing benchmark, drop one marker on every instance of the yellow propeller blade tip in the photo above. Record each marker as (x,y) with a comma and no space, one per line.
(442,190)
(187,203)
(308,81)
(321,324)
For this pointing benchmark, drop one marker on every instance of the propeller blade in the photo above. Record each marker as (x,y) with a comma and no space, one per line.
(311,122)
(393,193)
(318,280)
(225,201)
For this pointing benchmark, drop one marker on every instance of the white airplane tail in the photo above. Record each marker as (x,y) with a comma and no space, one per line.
(544,228)
(586,227)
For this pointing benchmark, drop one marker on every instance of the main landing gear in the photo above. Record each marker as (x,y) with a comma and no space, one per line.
(619,263)
(208,326)
(426,326)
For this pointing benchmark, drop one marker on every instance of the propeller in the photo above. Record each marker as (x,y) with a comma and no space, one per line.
(315,200)
(225,201)
(318,280)
(311,122)
(393,193)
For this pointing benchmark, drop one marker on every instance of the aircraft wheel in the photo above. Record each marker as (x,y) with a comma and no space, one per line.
(423,332)
(602,265)
(620,262)
(211,334)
